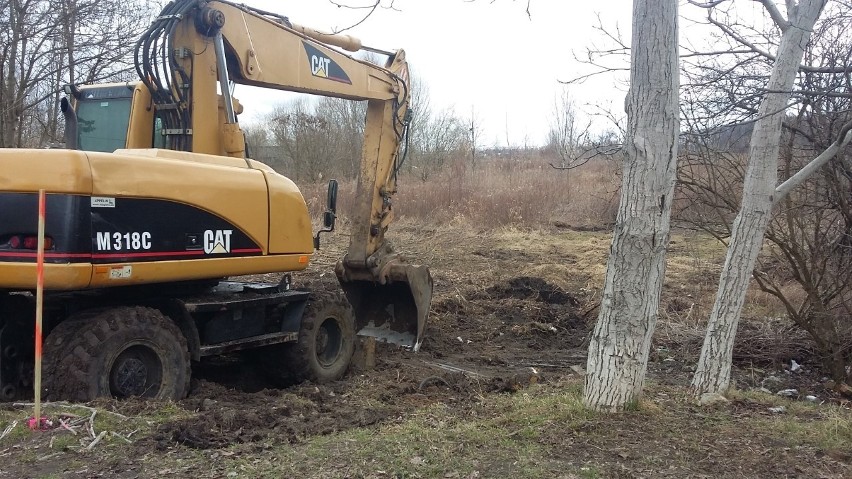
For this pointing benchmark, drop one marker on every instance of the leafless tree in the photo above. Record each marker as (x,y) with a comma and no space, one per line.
(346,120)
(437,138)
(620,343)
(567,136)
(308,138)
(474,129)
(808,267)
(366,9)
(306,143)
(46,43)
(759,186)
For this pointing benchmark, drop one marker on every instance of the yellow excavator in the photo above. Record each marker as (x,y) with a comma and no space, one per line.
(154,204)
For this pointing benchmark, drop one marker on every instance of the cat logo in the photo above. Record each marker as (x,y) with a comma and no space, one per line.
(324,67)
(217,242)
(319,66)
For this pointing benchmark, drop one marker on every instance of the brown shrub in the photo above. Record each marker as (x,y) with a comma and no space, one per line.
(523,192)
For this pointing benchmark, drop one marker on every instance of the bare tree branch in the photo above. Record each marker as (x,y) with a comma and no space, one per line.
(843,139)
(776,16)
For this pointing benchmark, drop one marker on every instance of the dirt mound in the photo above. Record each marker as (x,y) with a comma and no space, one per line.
(531,289)
(521,313)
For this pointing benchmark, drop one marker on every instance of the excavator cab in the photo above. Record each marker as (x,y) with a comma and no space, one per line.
(108,117)
(113,116)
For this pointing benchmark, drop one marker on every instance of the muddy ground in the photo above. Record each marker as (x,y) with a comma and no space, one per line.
(511,312)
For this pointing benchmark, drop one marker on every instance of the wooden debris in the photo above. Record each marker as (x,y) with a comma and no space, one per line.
(90,428)
(64,425)
(9,429)
(66,404)
(49,456)
(96,441)
(115,434)
(453,369)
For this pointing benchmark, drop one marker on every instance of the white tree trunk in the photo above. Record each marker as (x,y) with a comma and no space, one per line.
(713,372)
(618,350)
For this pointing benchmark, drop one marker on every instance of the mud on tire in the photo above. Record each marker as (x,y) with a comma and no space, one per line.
(324,349)
(326,340)
(119,352)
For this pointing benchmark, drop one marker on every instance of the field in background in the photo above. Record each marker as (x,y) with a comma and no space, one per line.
(501,192)
(525,195)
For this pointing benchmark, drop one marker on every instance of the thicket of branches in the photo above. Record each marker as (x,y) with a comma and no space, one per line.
(45,44)
(309,139)
(808,264)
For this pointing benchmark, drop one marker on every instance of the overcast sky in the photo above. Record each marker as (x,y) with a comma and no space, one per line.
(489,56)
(484,55)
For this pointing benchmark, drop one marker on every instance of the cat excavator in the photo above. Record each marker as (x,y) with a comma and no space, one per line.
(154,206)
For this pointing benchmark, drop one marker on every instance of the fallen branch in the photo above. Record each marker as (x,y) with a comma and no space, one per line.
(90,427)
(453,369)
(8,429)
(96,441)
(79,422)
(115,434)
(49,456)
(92,423)
(69,405)
(64,425)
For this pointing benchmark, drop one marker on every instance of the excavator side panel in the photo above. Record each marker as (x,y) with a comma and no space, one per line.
(126,218)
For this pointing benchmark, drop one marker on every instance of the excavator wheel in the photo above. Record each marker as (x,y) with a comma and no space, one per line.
(56,349)
(324,349)
(119,352)
(326,340)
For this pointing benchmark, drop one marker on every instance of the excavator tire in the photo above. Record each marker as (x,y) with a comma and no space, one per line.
(324,348)
(56,349)
(128,351)
(326,340)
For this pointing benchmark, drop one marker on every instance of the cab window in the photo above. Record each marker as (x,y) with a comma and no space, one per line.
(102,124)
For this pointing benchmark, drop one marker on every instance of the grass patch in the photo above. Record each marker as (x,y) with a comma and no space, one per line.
(501,434)
(827,427)
(833,429)
(121,430)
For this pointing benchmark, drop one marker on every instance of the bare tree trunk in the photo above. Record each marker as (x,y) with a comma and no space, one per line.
(713,372)
(9,120)
(620,343)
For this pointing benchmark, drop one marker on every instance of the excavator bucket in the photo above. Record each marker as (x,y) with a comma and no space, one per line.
(390,304)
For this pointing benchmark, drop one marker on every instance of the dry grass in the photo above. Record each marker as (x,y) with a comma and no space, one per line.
(524,193)
(527,194)
(542,431)
(520,204)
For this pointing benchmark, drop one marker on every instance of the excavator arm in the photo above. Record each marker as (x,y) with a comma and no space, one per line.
(196,45)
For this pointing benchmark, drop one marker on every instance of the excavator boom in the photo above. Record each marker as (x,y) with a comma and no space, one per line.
(220,42)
